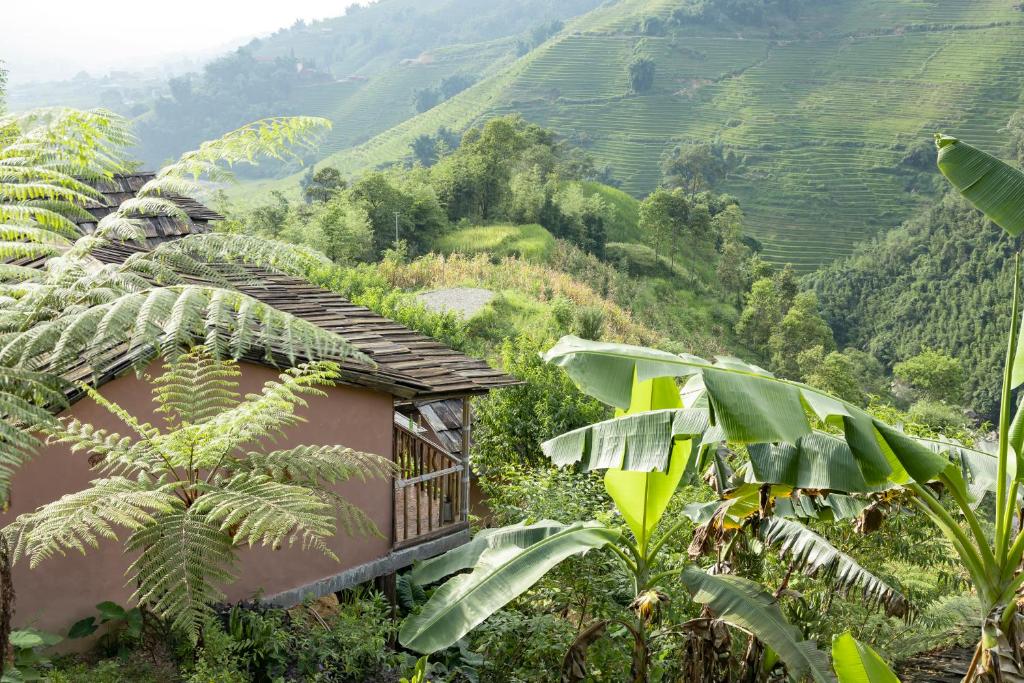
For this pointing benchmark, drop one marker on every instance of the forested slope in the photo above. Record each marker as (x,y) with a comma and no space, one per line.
(942,280)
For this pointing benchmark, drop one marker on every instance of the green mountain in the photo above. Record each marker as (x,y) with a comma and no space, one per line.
(363,70)
(824,108)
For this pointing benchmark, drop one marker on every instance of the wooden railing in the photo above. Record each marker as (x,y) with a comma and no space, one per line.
(430,489)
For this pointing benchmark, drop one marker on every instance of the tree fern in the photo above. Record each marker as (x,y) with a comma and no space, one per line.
(190,492)
(79,311)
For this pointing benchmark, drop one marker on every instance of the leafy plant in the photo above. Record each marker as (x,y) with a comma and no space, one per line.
(190,494)
(750,406)
(28,663)
(419,674)
(857,663)
(77,308)
(125,626)
(507,561)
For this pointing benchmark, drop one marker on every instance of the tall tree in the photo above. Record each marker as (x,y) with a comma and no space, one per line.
(694,167)
(800,329)
(663,216)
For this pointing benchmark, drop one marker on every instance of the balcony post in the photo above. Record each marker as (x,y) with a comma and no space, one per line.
(467,421)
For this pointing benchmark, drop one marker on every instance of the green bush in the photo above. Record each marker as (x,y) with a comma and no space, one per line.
(936,415)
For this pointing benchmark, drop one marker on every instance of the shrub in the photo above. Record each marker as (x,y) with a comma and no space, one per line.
(936,415)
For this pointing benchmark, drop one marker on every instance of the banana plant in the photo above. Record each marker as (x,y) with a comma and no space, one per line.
(804,438)
(997,189)
(506,562)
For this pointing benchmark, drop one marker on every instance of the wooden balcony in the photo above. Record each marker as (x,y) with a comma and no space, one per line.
(431,492)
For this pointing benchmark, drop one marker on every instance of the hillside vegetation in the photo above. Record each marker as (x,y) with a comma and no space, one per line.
(361,70)
(823,114)
(941,281)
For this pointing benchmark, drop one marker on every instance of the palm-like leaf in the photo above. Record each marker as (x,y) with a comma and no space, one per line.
(812,554)
(276,137)
(313,464)
(189,502)
(256,510)
(745,605)
(183,559)
(509,566)
(78,520)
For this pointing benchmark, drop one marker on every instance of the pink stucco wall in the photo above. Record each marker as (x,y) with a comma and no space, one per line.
(61,590)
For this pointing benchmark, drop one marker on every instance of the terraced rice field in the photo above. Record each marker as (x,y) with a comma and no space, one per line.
(819,119)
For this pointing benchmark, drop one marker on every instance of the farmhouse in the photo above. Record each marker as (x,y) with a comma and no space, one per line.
(410,405)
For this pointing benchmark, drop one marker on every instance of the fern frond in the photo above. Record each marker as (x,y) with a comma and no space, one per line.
(171,318)
(167,266)
(352,519)
(18,250)
(316,464)
(77,521)
(268,413)
(182,560)
(275,255)
(170,186)
(29,233)
(152,206)
(44,215)
(13,273)
(276,137)
(195,387)
(117,227)
(256,510)
(110,453)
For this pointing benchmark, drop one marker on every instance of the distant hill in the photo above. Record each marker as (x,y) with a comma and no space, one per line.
(362,70)
(827,107)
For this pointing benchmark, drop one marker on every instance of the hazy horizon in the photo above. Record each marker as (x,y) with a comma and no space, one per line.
(130,36)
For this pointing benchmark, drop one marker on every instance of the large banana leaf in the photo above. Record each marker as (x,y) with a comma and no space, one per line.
(856,662)
(642,496)
(466,555)
(994,187)
(747,606)
(508,567)
(635,442)
(815,556)
(747,405)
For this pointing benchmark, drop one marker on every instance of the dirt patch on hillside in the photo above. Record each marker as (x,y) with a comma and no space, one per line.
(465,301)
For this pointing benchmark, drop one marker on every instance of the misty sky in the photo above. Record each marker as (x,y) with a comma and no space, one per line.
(56,39)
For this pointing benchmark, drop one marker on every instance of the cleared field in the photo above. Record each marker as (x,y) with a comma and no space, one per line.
(530,242)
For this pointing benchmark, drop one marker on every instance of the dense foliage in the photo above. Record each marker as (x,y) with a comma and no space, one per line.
(506,169)
(184,494)
(938,282)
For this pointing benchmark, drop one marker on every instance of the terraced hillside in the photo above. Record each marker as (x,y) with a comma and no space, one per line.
(362,108)
(822,112)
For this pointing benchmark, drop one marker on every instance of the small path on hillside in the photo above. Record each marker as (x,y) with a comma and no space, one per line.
(465,301)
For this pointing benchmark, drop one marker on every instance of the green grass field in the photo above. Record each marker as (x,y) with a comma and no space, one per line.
(625,212)
(530,242)
(819,119)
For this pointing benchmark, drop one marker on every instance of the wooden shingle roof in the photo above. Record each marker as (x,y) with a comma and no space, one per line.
(157,228)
